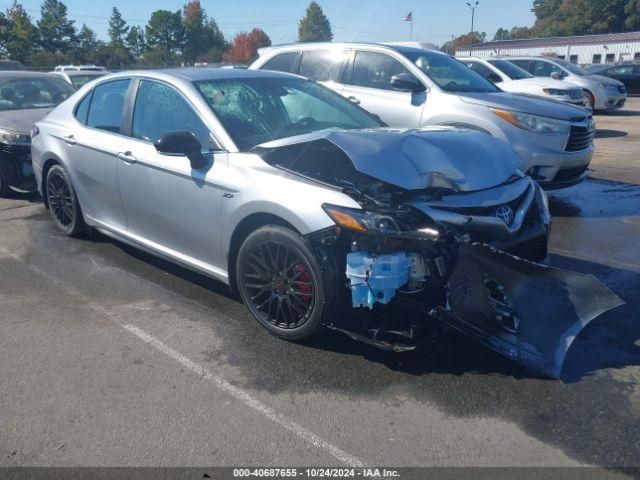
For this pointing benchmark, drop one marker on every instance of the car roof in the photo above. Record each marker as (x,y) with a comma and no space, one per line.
(303,46)
(83,73)
(23,74)
(195,74)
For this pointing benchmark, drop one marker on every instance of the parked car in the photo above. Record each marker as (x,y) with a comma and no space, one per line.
(602,93)
(285,190)
(77,78)
(25,97)
(627,73)
(411,87)
(76,68)
(11,65)
(513,79)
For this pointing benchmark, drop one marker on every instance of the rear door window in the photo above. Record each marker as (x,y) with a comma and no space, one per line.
(284,62)
(107,105)
(83,109)
(485,71)
(545,69)
(374,70)
(322,65)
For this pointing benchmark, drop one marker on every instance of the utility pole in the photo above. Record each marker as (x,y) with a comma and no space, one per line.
(473,7)
(473,12)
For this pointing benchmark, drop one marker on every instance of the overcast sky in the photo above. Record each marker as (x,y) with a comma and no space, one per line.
(374,20)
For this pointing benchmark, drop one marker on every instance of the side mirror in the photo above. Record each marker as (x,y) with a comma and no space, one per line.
(556,75)
(406,82)
(182,143)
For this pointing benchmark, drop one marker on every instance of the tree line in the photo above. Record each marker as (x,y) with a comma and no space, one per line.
(559,18)
(182,37)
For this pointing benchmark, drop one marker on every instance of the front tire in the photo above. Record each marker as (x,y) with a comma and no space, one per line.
(5,190)
(590,99)
(281,282)
(63,203)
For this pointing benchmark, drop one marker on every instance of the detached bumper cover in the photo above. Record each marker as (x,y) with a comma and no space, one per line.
(529,312)
(16,168)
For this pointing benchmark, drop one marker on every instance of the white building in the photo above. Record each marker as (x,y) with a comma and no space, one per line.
(583,50)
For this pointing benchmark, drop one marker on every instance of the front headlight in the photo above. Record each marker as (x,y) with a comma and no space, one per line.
(535,123)
(555,91)
(361,220)
(608,85)
(9,137)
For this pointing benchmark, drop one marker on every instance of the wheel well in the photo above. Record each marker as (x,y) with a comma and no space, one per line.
(242,230)
(45,170)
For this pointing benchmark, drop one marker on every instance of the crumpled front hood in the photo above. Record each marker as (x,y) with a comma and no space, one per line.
(416,159)
(521,103)
(22,120)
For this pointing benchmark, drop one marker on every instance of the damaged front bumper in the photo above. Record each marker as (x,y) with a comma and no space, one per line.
(16,168)
(527,311)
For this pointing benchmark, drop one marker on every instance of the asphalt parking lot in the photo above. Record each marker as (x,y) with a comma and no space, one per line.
(111,357)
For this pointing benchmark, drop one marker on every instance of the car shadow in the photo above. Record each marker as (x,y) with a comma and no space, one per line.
(31,197)
(607,133)
(620,113)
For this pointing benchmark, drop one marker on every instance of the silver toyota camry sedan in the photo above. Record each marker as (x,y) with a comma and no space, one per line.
(307,206)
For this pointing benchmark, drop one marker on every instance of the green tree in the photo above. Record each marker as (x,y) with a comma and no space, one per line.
(22,35)
(202,37)
(57,33)
(118,29)
(135,42)
(632,13)
(87,44)
(314,26)
(502,34)
(164,36)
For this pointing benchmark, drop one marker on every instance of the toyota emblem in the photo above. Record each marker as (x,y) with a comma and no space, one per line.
(505,214)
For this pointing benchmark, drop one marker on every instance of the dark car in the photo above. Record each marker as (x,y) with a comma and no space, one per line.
(11,65)
(25,97)
(627,73)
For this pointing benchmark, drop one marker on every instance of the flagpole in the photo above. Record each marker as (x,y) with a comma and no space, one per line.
(411,28)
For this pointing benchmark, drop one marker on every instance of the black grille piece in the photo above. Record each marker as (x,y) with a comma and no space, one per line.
(622,89)
(580,138)
(531,217)
(15,149)
(569,174)
(534,250)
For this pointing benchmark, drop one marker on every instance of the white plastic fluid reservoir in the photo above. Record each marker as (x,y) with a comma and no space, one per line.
(376,278)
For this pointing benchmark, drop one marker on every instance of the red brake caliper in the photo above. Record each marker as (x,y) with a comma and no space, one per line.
(305,287)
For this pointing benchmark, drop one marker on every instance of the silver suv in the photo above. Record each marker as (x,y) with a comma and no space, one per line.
(602,93)
(411,87)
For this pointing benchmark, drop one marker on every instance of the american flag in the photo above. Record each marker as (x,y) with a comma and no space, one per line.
(408,17)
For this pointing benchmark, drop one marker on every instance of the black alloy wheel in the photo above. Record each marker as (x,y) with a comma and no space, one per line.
(280,282)
(63,203)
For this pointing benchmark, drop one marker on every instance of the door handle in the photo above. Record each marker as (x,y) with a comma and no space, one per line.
(70,139)
(126,157)
(354,100)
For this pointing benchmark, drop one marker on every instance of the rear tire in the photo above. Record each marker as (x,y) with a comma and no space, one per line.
(63,203)
(281,283)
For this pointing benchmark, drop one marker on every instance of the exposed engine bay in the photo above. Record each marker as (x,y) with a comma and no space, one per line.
(446,236)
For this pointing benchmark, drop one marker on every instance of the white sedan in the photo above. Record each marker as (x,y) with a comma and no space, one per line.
(514,79)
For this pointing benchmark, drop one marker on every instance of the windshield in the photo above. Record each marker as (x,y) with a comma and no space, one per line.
(80,80)
(572,67)
(510,70)
(258,110)
(20,93)
(449,74)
